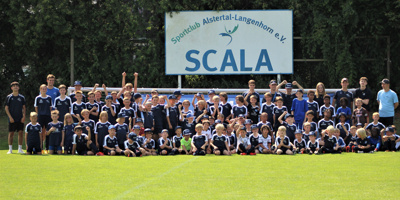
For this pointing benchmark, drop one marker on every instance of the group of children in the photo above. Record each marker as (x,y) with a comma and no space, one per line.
(124,124)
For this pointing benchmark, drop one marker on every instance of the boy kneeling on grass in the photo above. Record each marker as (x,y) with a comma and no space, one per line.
(199,142)
(132,147)
(282,142)
(186,142)
(244,146)
(82,143)
(219,142)
(330,142)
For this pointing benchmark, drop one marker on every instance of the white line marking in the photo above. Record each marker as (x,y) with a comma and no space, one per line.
(155,178)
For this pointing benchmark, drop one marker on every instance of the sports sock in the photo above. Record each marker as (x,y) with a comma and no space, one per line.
(19,147)
(10,147)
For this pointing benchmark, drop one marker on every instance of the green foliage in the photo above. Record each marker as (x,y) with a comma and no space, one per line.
(114,36)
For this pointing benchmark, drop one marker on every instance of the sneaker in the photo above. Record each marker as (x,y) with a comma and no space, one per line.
(9,152)
(347,149)
(253,154)
(360,152)
(20,151)
(243,154)
(371,152)
(310,153)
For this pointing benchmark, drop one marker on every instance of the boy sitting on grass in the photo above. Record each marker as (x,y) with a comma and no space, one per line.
(199,142)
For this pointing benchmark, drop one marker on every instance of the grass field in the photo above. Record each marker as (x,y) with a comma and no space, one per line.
(344,176)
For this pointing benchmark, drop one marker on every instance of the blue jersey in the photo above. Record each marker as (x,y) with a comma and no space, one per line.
(101,129)
(122,131)
(237,110)
(148,119)
(69,132)
(63,106)
(53,93)
(34,132)
(158,115)
(226,109)
(299,108)
(15,105)
(77,109)
(315,108)
(172,114)
(342,129)
(323,108)
(269,109)
(96,107)
(278,112)
(129,112)
(44,105)
(55,136)
(73,99)
(346,110)
(323,124)
(111,118)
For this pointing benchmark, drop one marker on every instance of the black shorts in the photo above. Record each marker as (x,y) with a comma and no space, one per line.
(221,149)
(82,152)
(166,149)
(44,120)
(16,126)
(34,145)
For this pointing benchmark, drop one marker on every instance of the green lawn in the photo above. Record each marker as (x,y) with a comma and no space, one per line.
(344,176)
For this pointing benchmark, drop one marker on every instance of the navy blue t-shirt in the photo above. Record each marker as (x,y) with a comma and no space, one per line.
(63,106)
(15,105)
(44,105)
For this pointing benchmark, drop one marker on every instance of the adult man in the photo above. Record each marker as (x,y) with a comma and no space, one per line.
(343,93)
(52,91)
(388,102)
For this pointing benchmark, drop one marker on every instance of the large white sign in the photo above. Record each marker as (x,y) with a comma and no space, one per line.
(229,42)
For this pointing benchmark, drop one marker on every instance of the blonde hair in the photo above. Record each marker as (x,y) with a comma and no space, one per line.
(33,114)
(220,126)
(55,112)
(375,113)
(202,102)
(216,97)
(50,76)
(186,101)
(43,85)
(357,99)
(282,129)
(307,124)
(65,119)
(361,133)
(323,91)
(199,126)
(102,114)
(330,128)
(84,110)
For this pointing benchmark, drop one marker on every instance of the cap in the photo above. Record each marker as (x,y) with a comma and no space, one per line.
(111,127)
(189,115)
(211,92)
(248,121)
(186,132)
(218,121)
(241,116)
(108,97)
(199,94)
(300,90)
(148,102)
(345,79)
(273,82)
(178,92)
(137,96)
(312,133)
(78,127)
(132,136)
(385,81)
(389,129)
(298,131)
(243,128)
(172,96)
(154,90)
(77,83)
(288,85)
(138,120)
(359,124)
(164,130)
(135,127)
(121,114)
(147,130)
(288,115)
(254,126)
(14,83)
(178,127)
(205,117)
(342,114)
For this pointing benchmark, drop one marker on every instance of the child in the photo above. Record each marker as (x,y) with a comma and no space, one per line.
(248,125)
(219,142)
(43,108)
(299,143)
(78,87)
(147,116)
(110,109)
(215,110)
(251,92)
(101,129)
(33,136)
(122,130)
(176,141)
(189,123)
(341,143)
(268,107)
(226,106)
(128,111)
(68,132)
(149,144)
(352,139)
(186,110)
(243,143)
(375,123)
(310,119)
(15,110)
(172,114)
(343,126)
(327,105)
(330,143)
(199,141)
(265,140)
(132,147)
(165,147)
(312,105)
(62,103)
(77,106)
(263,121)
(240,108)
(389,140)
(299,109)
(186,142)
(54,129)
(279,109)
(231,138)
(307,131)
(288,97)
(93,107)
(211,94)
(344,109)
(312,145)
(326,121)
(87,122)
(375,139)
(200,108)
(288,123)
(282,142)
(360,114)
(363,144)
(207,132)
(158,112)
(254,139)
(253,109)
(82,143)
(110,144)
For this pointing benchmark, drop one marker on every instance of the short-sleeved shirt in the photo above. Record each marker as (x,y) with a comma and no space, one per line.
(34,132)
(342,129)
(43,104)
(111,118)
(199,140)
(288,100)
(177,140)
(364,94)
(150,145)
(323,124)
(269,109)
(226,109)
(278,112)
(131,146)
(264,140)
(219,141)
(186,143)
(313,145)
(15,105)
(360,115)
(299,107)
(330,142)
(63,106)
(387,101)
(290,130)
(255,94)
(80,142)
(314,106)
(101,129)
(55,136)
(110,142)
(254,112)
(340,94)
(237,110)
(90,106)
(300,145)
(73,99)
(53,93)
(286,140)
(323,108)
(371,125)
(77,108)
(129,112)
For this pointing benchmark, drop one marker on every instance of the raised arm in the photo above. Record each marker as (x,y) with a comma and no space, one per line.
(105,89)
(298,85)
(135,82)
(95,87)
(123,79)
